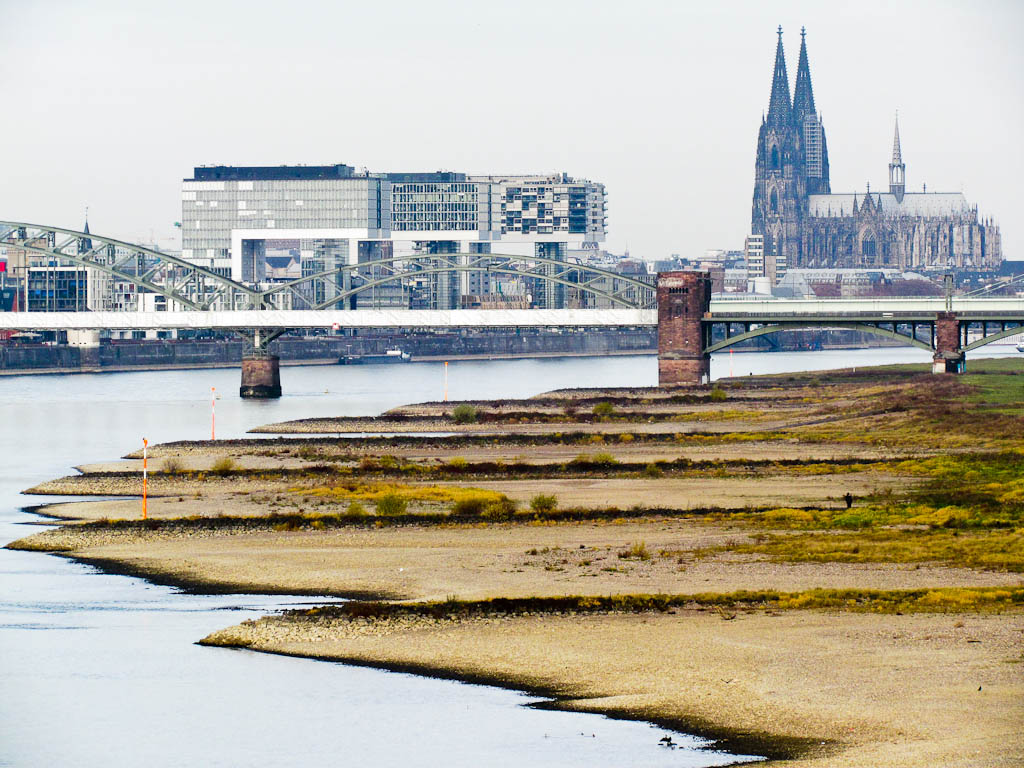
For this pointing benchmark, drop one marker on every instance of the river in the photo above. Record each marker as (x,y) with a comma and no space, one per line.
(102,670)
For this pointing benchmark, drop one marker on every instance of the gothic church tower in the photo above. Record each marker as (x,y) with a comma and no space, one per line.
(792,163)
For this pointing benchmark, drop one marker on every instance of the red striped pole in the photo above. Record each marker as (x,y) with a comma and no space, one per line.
(145,476)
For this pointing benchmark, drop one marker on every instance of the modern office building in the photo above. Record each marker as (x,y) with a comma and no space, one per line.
(340,216)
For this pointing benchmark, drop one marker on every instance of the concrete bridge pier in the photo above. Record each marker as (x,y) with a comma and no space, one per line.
(683,300)
(949,355)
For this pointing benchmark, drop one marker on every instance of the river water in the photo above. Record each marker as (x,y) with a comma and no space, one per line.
(102,670)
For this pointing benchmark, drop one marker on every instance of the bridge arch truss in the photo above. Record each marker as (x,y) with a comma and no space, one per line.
(197,288)
(181,281)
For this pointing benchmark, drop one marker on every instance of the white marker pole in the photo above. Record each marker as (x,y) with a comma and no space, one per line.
(446,381)
(213,413)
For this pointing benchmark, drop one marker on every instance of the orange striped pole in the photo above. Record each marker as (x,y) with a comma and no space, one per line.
(145,476)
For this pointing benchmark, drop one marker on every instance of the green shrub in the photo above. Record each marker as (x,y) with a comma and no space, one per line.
(544,502)
(356,509)
(653,470)
(391,504)
(718,395)
(223,466)
(603,409)
(464,414)
(499,509)
(457,463)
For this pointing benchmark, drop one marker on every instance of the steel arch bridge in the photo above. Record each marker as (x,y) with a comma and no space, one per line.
(198,288)
(975,326)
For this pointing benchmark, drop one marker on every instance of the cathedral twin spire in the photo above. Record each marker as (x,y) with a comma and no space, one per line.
(803,94)
(781,111)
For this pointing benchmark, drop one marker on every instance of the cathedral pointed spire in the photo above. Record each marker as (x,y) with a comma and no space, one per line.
(803,93)
(897,156)
(780,110)
(897,170)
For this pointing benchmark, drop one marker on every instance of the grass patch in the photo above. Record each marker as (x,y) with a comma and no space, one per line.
(636,551)
(425,493)
(998,550)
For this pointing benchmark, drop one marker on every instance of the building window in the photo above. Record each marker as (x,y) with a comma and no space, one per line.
(775,158)
(775,201)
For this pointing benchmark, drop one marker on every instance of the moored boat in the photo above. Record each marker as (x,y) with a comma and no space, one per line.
(391,355)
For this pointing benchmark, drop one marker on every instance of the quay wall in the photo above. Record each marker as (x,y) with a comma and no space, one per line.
(187,353)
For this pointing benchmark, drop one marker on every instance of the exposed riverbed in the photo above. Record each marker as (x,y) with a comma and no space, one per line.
(101,669)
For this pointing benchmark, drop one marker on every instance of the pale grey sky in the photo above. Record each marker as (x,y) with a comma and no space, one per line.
(111,103)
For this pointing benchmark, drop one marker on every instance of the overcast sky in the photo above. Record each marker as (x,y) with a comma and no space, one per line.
(110,104)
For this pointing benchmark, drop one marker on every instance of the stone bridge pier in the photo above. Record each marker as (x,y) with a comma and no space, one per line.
(949,354)
(683,300)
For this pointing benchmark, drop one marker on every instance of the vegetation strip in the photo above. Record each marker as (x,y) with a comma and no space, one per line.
(581,466)
(940,600)
(313,521)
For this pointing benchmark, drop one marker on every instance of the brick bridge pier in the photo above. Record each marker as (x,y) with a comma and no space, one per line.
(683,300)
(949,354)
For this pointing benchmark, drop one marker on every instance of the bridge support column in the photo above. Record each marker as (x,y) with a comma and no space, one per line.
(949,355)
(683,300)
(261,376)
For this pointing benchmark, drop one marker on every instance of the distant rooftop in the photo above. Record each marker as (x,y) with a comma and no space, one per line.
(307,172)
(271,172)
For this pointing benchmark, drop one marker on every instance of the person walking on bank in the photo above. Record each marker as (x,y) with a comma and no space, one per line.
(848,498)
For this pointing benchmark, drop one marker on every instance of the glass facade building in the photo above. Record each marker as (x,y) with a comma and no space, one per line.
(230,213)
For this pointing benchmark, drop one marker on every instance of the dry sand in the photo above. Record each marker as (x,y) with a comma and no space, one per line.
(870,690)
(481,561)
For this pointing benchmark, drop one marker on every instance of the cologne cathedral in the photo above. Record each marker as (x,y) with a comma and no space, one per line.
(800,223)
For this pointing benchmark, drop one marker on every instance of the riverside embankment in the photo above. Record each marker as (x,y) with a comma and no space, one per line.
(711,579)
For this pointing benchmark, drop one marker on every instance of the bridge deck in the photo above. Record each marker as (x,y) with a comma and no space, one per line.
(745,310)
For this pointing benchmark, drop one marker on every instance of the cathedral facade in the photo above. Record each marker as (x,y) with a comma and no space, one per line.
(800,223)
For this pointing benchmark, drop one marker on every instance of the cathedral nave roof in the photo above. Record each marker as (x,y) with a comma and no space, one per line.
(926,204)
